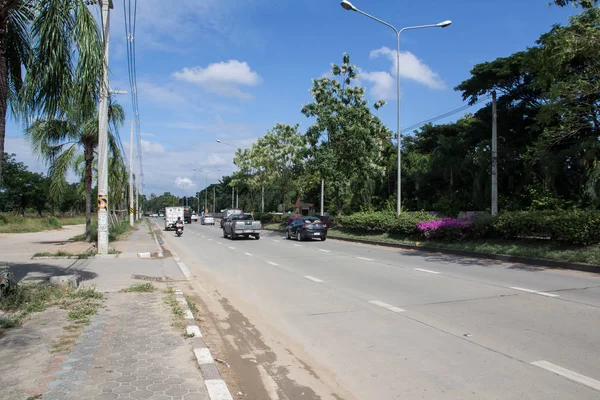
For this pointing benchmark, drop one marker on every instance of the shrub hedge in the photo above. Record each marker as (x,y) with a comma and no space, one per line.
(578,227)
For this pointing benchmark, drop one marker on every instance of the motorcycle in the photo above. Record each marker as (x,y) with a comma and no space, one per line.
(179,231)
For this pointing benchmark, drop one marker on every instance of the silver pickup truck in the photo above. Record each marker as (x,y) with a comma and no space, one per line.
(241,225)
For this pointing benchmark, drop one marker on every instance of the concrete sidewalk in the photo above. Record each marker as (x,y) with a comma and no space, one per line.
(132,348)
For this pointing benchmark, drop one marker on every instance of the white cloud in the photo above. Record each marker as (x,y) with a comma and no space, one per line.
(383,83)
(162,95)
(223,78)
(184,183)
(151,147)
(410,67)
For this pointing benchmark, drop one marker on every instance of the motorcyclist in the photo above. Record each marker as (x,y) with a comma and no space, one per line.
(179,223)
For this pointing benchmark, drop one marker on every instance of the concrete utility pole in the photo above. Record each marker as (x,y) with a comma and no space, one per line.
(322,196)
(232,197)
(138,182)
(131,205)
(103,137)
(494,156)
(214,200)
(262,201)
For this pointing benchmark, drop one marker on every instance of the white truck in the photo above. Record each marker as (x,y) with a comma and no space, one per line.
(171,214)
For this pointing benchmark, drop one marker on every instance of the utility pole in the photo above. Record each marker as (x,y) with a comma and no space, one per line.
(232,197)
(103,136)
(206,193)
(262,204)
(138,182)
(322,196)
(131,176)
(494,155)
(214,200)
(237,199)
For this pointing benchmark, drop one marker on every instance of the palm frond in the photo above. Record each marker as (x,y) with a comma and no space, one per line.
(17,51)
(46,135)
(88,73)
(50,74)
(58,172)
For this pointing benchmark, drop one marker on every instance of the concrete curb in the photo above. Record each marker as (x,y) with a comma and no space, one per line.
(215,385)
(158,253)
(536,262)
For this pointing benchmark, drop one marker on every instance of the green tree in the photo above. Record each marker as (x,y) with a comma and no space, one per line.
(60,143)
(347,141)
(22,189)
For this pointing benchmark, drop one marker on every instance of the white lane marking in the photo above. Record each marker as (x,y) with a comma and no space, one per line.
(297,245)
(386,306)
(534,292)
(312,278)
(232,248)
(209,240)
(219,243)
(323,250)
(248,254)
(567,373)
(365,258)
(277,241)
(426,270)
(203,236)
(272,263)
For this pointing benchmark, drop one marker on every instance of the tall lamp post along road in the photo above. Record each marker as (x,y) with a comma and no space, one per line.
(346,5)
(262,208)
(206,172)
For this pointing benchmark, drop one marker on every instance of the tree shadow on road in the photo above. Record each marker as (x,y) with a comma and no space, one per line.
(441,258)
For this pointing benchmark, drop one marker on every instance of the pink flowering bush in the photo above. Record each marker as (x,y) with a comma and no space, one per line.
(448,228)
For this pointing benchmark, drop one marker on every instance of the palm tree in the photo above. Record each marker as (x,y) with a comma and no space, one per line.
(59,45)
(60,142)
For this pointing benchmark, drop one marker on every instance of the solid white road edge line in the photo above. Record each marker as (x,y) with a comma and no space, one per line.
(272,263)
(426,270)
(232,248)
(323,250)
(387,306)
(567,373)
(365,258)
(312,278)
(248,254)
(534,291)
(297,245)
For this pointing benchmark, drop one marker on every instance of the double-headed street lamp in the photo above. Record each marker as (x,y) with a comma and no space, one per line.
(205,189)
(262,189)
(346,5)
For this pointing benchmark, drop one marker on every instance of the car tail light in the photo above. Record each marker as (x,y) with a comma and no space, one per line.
(234,226)
(260,222)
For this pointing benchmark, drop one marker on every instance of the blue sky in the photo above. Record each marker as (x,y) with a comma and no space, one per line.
(231,69)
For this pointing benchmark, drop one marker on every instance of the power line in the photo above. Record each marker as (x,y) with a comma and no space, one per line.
(444,115)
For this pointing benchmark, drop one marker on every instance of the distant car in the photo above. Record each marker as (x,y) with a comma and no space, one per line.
(195,217)
(306,228)
(207,220)
(154,215)
(161,215)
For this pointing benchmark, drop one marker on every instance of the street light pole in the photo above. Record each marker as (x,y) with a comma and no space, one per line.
(346,5)
(103,136)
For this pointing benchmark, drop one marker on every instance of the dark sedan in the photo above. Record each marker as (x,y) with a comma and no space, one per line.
(306,228)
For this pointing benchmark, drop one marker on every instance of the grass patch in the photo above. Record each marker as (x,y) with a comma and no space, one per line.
(192,306)
(66,254)
(524,248)
(18,224)
(116,231)
(177,318)
(140,288)
(31,298)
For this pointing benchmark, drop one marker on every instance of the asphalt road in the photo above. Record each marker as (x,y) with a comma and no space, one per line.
(395,324)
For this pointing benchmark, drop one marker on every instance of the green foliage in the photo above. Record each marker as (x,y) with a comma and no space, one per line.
(579,227)
(140,288)
(382,222)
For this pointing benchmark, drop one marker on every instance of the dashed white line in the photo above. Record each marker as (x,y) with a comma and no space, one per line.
(219,243)
(324,251)
(312,278)
(277,241)
(272,263)
(210,240)
(248,254)
(534,292)
(567,373)
(365,258)
(297,245)
(232,248)
(426,270)
(387,306)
